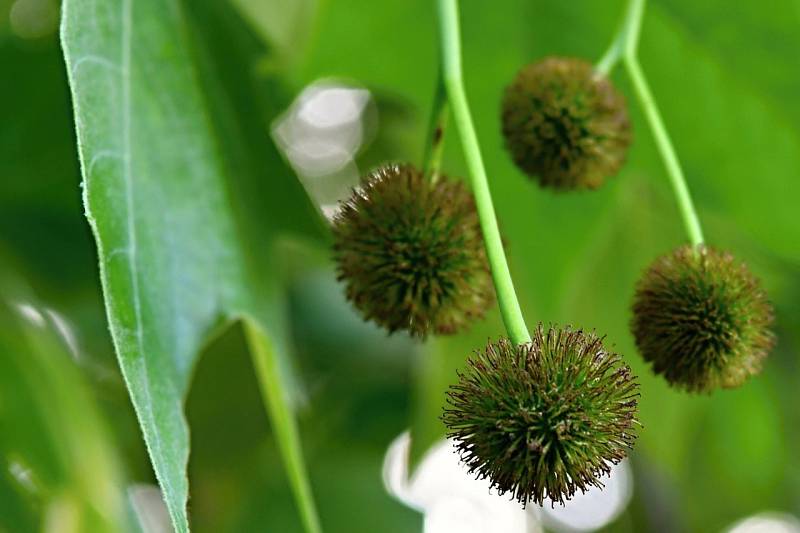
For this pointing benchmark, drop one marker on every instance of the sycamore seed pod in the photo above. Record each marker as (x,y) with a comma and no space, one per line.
(543,419)
(410,253)
(565,124)
(702,319)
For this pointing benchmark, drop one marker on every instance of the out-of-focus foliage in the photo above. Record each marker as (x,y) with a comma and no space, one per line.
(60,471)
(725,75)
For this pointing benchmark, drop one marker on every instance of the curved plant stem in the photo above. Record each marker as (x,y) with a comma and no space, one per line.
(621,44)
(674,171)
(612,54)
(434,143)
(610,57)
(450,41)
(624,46)
(283,423)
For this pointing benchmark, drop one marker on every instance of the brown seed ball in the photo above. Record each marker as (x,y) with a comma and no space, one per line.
(702,319)
(410,253)
(564,124)
(545,419)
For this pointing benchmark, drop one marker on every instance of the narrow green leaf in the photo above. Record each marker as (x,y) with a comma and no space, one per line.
(185,194)
(277,405)
(57,459)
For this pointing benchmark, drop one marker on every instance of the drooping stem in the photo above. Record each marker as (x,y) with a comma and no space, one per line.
(621,43)
(450,44)
(283,423)
(674,171)
(434,144)
(610,57)
(625,45)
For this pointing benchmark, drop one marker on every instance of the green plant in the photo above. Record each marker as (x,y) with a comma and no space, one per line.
(692,285)
(699,319)
(521,440)
(221,294)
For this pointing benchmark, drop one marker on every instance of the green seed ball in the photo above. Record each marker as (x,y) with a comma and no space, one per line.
(702,319)
(543,419)
(411,254)
(565,124)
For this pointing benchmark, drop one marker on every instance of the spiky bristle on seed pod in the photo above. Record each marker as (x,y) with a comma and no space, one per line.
(702,319)
(543,419)
(565,124)
(411,254)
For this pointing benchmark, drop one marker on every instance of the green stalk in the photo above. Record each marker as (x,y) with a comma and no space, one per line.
(663,141)
(610,57)
(674,171)
(620,44)
(431,365)
(454,85)
(625,45)
(434,144)
(283,423)
(612,54)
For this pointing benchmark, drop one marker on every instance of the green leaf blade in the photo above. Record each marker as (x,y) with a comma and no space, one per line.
(170,202)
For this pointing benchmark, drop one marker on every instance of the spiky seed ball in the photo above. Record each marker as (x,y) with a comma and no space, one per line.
(410,252)
(702,319)
(564,124)
(544,419)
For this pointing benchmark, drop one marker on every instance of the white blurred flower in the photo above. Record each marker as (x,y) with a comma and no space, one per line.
(596,507)
(320,135)
(453,500)
(448,496)
(767,522)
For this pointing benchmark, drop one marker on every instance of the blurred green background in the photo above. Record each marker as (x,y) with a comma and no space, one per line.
(726,78)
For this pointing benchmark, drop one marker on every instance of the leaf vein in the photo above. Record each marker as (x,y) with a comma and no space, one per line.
(97,60)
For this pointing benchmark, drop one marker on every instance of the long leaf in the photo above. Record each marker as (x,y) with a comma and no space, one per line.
(185,195)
